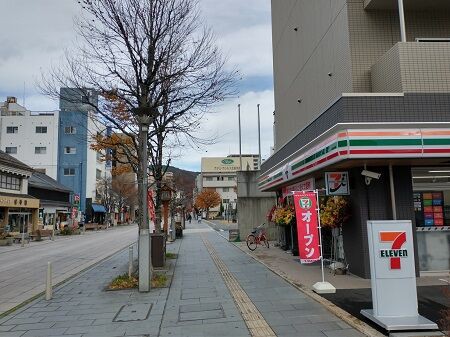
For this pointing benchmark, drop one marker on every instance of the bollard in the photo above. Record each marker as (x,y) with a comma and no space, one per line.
(48,286)
(53,234)
(23,239)
(130,261)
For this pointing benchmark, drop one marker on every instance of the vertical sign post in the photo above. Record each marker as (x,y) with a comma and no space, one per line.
(309,234)
(393,277)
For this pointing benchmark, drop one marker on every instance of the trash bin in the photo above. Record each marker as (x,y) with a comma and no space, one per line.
(158,249)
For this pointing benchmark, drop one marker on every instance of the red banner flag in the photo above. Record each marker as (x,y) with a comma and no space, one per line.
(151,206)
(307,226)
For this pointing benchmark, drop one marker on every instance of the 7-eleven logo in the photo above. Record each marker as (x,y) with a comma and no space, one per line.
(395,253)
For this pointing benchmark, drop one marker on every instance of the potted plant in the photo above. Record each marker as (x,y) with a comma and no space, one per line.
(283,217)
(334,213)
(5,240)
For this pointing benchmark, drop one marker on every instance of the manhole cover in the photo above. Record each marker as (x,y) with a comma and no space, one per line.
(133,312)
(195,312)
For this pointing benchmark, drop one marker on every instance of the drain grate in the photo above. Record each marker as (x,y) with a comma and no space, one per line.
(195,312)
(133,312)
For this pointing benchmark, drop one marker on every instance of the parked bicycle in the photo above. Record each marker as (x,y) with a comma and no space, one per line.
(257,237)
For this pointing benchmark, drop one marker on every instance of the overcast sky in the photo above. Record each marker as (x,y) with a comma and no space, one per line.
(35,34)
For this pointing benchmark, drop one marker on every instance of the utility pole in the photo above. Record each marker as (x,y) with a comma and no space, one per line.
(240,139)
(259,140)
(145,262)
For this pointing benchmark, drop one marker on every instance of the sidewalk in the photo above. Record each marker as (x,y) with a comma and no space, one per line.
(23,269)
(217,290)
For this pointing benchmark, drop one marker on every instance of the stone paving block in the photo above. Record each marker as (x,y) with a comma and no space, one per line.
(33,326)
(68,324)
(201,315)
(343,333)
(45,332)
(13,334)
(23,320)
(4,328)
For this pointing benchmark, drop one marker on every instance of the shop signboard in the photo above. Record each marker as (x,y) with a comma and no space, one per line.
(76,199)
(337,183)
(305,185)
(393,277)
(306,212)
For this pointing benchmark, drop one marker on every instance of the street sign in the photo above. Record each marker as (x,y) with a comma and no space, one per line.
(393,277)
(337,183)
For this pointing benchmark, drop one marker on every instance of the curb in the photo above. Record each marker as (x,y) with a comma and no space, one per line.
(25,304)
(354,322)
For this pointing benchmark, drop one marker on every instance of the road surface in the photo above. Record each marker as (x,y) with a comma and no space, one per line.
(23,269)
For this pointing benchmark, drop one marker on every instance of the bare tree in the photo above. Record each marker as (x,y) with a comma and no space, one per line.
(146,58)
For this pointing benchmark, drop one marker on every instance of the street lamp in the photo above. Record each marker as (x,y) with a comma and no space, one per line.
(145,261)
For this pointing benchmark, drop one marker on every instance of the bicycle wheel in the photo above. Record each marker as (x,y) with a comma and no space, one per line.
(251,242)
(266,242)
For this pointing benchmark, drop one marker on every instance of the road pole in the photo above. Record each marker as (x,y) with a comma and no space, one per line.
(130,261)
(48,283)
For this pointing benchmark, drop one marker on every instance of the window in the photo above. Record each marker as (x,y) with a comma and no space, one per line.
(12,129)
(40,150)
(226,189)
(231,178)
(98,174)
(41,129)
(11,149)
(9,182)
(69,171)
(70,150)
(209,178)
(225,201)
(70,130)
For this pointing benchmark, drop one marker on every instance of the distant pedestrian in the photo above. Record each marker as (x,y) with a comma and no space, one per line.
(199,217)
(189,217)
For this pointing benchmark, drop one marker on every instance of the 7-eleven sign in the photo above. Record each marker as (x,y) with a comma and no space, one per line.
(395,253)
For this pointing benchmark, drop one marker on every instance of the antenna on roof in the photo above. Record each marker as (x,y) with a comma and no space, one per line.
(23,100)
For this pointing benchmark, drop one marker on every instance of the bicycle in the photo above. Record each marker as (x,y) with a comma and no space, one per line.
(256,238)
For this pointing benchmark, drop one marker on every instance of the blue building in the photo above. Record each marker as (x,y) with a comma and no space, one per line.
(79,167)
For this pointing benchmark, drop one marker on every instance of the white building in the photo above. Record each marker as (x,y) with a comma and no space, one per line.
(219,174)
(31,137)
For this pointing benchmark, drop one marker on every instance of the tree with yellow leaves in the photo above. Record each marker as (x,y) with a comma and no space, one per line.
(206,199)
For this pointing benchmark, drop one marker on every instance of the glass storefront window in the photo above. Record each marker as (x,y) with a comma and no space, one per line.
(431,198)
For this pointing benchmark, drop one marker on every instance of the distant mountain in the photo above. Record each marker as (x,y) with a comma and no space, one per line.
(185,181)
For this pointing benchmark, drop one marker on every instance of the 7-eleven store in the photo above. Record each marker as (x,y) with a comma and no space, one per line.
(413,159)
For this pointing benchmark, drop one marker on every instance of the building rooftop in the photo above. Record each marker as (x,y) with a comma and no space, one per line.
(8,160)
(43,181)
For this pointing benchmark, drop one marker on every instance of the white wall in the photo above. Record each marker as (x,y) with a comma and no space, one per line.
(92,163)
(27,139)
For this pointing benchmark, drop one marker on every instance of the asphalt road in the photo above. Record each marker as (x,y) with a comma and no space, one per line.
(23,269)
(221,226)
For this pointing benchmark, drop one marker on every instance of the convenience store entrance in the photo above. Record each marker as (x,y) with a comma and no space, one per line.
(431,186)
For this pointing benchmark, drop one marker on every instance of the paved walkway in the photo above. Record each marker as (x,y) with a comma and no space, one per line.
(23,269)
(217,290)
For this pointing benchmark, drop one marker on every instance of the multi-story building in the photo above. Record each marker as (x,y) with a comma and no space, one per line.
(79,166)
(357,87)
(31,137)
(254,158)
(19,212)
(219,174)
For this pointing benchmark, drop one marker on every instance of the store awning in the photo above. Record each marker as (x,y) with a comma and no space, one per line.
(97,208)
(335,146)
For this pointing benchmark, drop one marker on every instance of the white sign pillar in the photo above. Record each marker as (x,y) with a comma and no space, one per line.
(393,277)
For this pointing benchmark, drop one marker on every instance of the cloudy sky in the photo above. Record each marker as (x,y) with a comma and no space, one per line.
(35,34)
